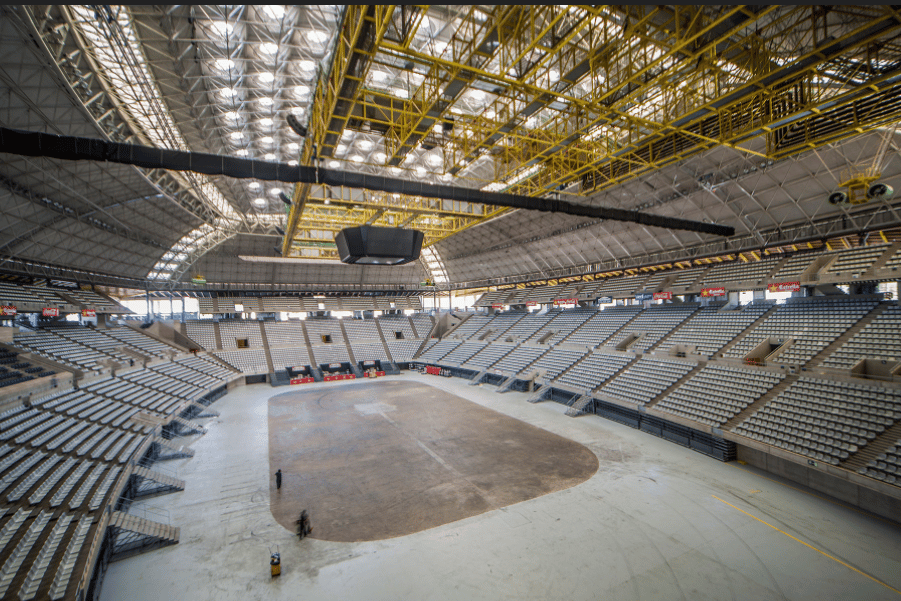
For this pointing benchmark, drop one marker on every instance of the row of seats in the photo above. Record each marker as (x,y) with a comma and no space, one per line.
(646,379)
(850,263)
(880,339)
(826,420)
(718,393)
(63,456)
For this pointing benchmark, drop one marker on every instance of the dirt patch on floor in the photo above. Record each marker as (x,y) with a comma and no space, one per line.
(376,460)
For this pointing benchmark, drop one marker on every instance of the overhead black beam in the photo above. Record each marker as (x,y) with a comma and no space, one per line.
(75,148)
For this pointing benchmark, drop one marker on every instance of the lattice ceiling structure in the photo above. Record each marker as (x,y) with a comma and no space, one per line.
(741,115)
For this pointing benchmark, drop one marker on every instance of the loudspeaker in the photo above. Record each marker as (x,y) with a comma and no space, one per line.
(370,245)
(838,198)
(879,190)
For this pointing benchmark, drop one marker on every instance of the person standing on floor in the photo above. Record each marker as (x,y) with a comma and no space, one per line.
(278,480)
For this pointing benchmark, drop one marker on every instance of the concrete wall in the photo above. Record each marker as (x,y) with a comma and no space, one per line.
(838,486)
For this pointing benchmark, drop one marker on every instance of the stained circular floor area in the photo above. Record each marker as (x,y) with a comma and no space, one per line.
(377,460)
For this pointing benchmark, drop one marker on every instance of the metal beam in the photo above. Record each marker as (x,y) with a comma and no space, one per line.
(74,148)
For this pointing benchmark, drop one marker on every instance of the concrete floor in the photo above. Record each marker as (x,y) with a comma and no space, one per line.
(656,521)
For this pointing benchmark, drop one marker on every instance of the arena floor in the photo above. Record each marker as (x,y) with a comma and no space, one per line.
(655,521)
(375,460)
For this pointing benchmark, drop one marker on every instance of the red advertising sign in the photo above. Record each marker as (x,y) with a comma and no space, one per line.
(707,292)
(339,377)
(8,311)
(565,301)
(663,295)
(50,312)
(496,306)
(531,304)
(301,380)
(88,313)
(784,287)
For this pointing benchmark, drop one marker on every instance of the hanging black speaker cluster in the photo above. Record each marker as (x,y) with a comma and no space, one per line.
(370,245)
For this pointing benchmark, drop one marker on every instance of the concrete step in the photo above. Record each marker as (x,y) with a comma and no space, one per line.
(876,446)
(770,395)
(675,385)
(139,525)
(159,478)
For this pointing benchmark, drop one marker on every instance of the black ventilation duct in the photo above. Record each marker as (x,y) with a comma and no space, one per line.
(370,245)
(72,148)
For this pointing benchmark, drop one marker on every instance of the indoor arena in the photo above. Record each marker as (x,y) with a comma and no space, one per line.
(450,302)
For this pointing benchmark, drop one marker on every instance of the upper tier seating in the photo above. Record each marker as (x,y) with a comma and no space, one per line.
(498,327)
(620,286)
(601,325)
(318,329)
(740,271)
(855,262)
(795,266)
(812,324)
(331,353)
(880,339)
(361,329)
(524,328)
(202,332)
(652,324)
(823,419)
(687,277)
(372,351)
(718,393)
(391,325)
(562,325)
(249,361)
(294,356)
(285,333)
(469,327)
(423,324)
(230,331)
(712,328)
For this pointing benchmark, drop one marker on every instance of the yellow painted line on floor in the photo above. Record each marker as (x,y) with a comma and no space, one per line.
(827,499)
(835,559)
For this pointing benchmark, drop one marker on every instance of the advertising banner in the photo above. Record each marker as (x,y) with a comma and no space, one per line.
(8,311)
(50,312)
(708,292)
(644,296)
(784,287)
(605,300)
(496,306)
(565,301)
(531,304)
(334,365)
(663,295)
(88,313)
